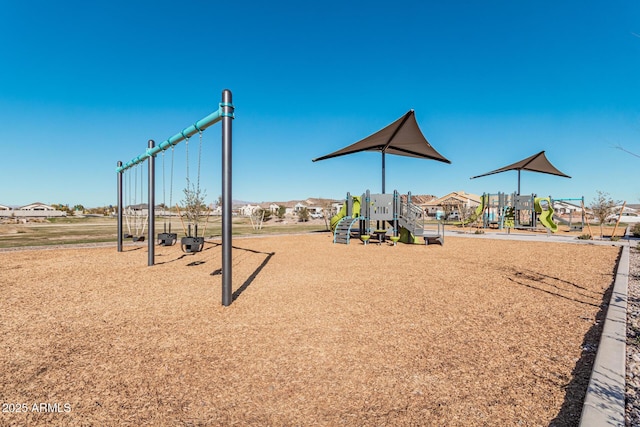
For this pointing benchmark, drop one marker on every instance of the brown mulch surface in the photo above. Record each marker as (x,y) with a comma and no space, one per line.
(473,333)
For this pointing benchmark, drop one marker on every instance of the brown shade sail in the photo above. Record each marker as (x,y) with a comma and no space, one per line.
(402,138)
(536,163)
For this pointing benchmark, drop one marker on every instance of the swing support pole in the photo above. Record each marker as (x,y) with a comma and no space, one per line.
(120,209)
(151,206)
(227,113)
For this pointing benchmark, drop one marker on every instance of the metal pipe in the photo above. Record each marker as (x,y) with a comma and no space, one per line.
(188,132)
(227,200)
(383,173)
(119,208)
(151,206)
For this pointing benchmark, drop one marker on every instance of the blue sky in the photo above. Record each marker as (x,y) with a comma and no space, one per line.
(85,84)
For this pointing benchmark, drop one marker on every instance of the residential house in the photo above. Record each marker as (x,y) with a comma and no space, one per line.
(451,204)
(32,210)
(248,209)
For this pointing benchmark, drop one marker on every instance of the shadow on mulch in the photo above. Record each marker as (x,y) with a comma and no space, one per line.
(576,389)
(253,275)
(213,245)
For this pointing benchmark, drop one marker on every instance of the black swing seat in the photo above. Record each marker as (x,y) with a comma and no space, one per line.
(127,236)
(191,244)
(167,239)
(138,238)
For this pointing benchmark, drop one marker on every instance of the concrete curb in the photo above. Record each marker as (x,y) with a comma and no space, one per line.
(604,403)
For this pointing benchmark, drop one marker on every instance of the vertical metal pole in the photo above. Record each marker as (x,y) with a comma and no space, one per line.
(227,120)
(518,182)
(383,173)
(397,209)
(119,208)
(152,206)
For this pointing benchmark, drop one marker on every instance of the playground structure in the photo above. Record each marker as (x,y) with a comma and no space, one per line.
(508,211)
(225,114)
(394,218)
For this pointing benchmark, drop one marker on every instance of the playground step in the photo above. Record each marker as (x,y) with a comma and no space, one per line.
(342,233)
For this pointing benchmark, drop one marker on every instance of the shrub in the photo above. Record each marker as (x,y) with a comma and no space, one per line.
(584,237)
(636,230)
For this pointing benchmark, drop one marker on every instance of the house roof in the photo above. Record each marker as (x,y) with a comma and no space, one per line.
(36,204)
(455,196)
(418,199)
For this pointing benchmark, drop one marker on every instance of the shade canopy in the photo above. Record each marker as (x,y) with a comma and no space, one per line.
(402,138)
(536,163)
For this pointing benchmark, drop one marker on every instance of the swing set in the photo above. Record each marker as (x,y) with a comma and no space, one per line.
(189,243)
(134,212)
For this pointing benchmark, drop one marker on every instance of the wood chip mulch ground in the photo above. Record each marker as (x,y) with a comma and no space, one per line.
(473,333)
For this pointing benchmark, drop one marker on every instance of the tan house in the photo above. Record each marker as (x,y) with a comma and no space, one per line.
(451,204)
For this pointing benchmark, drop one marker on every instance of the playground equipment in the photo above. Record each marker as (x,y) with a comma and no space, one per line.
(514,211)
(133,213)
(573,225)
(225,114)
(517,211)
(167,238)
(399,220)
(192,243)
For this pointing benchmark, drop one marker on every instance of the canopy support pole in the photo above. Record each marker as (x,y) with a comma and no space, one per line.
(383,172)
(518,182)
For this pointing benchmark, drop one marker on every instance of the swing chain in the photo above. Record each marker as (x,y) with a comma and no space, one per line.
(186,143)
(199,158)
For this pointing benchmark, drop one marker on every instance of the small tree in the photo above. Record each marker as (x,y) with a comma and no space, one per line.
(257,218)
(602,207)
(327,212)
(303,215)
(448,208)
(282,210)
(193,202)
(465,213)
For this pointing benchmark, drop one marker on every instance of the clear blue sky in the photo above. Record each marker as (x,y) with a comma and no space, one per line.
(84,84)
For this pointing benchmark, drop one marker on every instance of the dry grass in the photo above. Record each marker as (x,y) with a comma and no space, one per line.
(474,333)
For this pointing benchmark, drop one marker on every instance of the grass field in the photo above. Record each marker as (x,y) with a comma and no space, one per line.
(61,231)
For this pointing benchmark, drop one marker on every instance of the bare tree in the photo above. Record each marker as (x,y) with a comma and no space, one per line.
(194,203)
(257,218)
(327,213)
(465,212)
(602,207)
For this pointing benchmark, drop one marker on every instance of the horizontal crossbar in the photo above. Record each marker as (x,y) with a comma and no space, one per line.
(186,133)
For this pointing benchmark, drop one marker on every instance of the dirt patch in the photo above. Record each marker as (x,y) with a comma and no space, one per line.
(473,333)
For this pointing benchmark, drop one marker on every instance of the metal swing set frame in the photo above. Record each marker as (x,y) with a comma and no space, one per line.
(224,114)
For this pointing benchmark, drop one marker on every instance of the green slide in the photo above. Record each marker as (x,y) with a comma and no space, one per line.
(545,216)
(407,237)
(343,212)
